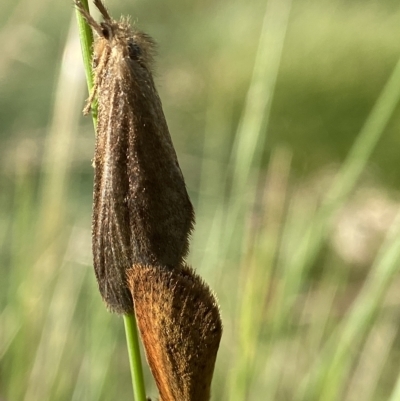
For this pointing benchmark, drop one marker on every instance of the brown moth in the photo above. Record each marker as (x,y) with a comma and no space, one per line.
(180,325)
(142,214)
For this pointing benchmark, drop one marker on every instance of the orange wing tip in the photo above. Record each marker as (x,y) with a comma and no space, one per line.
(180,325)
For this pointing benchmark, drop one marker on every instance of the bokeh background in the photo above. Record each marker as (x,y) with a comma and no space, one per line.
(284,116)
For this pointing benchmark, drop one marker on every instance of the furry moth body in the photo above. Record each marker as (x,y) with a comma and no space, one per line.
(142,214)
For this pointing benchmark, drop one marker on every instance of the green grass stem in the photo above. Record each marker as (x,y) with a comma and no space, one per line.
(86,38)
(135,363)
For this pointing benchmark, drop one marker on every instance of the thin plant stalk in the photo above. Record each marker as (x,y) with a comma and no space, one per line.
(135,363)
(131,331)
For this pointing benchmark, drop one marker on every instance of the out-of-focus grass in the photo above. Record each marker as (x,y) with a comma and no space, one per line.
(261,99)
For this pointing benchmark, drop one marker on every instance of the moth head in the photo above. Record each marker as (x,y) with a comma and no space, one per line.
(131,44)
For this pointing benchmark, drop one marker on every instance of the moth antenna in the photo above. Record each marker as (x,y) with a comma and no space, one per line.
(103,10)
(89,19)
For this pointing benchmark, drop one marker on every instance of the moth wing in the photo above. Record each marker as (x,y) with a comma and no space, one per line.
(179,322)
(111,229)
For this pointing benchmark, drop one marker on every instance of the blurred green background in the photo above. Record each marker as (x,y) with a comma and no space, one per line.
(285,120)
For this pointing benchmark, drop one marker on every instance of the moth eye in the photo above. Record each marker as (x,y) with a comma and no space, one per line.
(105,31)
(134,51)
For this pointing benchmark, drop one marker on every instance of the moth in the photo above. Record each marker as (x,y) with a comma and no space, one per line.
(180,325)
(142,214)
